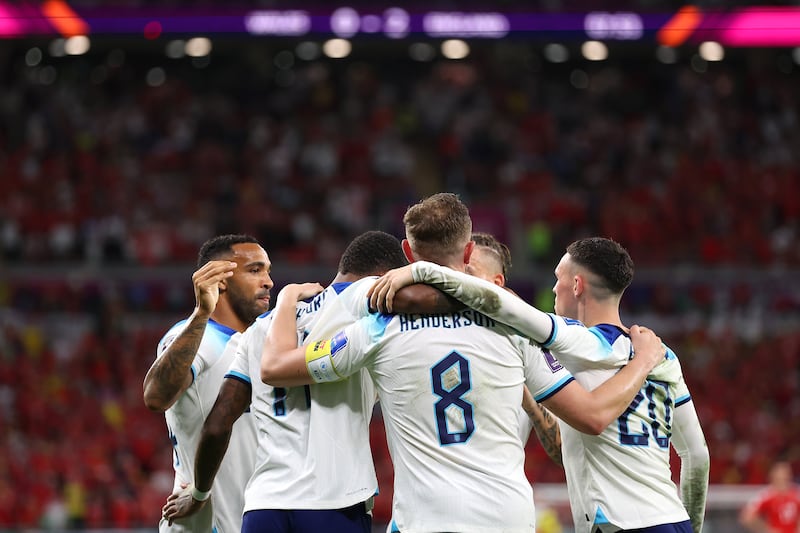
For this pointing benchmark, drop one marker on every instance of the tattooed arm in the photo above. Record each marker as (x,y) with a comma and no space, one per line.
(545,425)
(233,399)
(170,375)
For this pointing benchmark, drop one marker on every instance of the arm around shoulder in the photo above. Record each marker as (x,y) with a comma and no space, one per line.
(591,412)
(283,363)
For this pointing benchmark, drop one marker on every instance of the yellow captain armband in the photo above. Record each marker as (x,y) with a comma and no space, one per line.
(319,358)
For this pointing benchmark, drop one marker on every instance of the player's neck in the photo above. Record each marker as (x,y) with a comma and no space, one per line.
(592,313)
(347,278)
(224,315)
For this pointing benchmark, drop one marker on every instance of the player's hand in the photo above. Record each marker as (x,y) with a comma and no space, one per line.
(381,294)
(181,504)
(647,346)
(206,282)
(294,292)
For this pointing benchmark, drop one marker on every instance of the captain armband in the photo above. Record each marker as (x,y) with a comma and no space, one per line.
(319,358)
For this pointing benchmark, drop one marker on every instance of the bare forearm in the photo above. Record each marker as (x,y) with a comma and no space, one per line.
(281,335)
(231,403)
(546,427)
(420,298)
(279,367)
(170,374)
(616,394)
(210,453)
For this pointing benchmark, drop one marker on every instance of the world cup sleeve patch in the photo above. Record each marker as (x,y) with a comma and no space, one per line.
(319,359)
(338,342)
(552,362)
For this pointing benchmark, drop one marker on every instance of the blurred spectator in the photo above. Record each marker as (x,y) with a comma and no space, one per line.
(777,508)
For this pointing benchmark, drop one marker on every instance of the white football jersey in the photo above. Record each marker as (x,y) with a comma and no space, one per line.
(313,441)
(450,388)
(185,421)
(620,478)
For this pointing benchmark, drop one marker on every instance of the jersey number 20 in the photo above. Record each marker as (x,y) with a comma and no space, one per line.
(451,381)
(655,413)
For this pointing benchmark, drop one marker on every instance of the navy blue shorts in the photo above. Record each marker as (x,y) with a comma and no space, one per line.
(353,519)
(677,527)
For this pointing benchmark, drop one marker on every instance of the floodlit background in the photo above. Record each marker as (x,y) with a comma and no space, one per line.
(129,134)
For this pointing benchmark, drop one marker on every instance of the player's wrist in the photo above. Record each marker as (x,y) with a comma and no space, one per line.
(200,495)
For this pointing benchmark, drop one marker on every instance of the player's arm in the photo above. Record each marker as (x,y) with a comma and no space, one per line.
(283,363)
(690,444)
(545,425)
(232,401)
(421,298)
(170,375)
(591,412)
(750,517)
(481,295)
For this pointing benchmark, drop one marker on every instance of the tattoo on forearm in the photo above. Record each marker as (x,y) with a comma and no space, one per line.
(546,427)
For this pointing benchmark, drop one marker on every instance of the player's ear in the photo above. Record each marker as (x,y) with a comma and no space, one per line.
(468,249)
(499,280)
(578,285)
(223,285)
(407,251)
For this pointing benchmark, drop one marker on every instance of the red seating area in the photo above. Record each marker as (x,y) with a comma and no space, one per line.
(684,165)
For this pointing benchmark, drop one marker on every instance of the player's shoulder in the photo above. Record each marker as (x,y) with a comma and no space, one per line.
(172,332)
(358,287)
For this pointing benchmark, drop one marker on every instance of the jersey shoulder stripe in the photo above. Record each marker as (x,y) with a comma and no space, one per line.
(244,378)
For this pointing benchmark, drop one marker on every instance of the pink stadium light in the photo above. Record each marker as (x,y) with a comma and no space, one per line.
(762,26)
(10,25)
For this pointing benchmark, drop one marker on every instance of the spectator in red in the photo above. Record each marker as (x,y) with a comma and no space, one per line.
(777,508)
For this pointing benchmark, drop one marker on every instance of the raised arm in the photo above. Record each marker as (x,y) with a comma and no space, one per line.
(481,295)
(232,400)
(690,444)
(591,412)
(170,375)
(283,364)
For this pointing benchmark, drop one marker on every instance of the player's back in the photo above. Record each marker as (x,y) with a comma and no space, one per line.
(450,388)
(305,472)
(621,476)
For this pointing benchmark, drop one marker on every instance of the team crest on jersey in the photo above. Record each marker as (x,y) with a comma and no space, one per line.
(552,362)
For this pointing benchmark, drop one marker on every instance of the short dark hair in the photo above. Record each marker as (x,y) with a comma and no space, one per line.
(438,226)
(372,253)
(487,240)
(605,258)
(220,246)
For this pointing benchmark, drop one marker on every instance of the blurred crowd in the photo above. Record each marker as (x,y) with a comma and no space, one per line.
(691,166)
(106,161)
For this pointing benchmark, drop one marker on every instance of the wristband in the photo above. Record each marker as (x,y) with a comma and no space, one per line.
(199,495)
